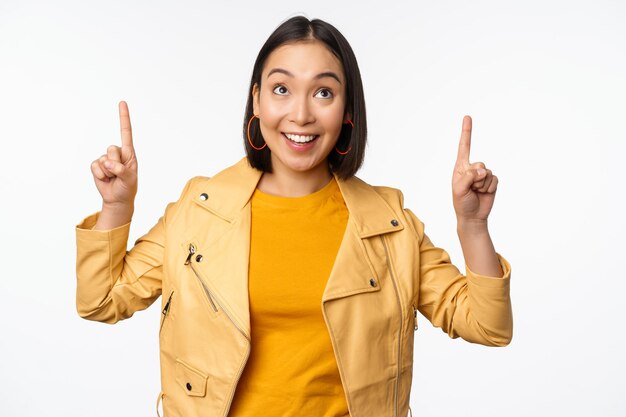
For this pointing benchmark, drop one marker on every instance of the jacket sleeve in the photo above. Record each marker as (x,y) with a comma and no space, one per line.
(113,283)
(474,307)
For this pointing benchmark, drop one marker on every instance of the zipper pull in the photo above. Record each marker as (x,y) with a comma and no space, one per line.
(414,318)
(167,305)
(192,250)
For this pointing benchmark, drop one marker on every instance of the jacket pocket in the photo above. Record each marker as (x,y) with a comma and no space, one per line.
(190,379)
(166,310)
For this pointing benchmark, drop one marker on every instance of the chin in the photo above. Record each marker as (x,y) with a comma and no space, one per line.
(300,164)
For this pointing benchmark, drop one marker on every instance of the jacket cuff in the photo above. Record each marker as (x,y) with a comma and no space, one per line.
(85,232)
(488,281)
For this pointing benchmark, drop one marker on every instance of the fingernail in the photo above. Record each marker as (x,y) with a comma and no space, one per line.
(481,172)
(108,164)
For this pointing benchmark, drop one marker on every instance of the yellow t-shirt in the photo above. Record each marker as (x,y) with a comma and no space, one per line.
(292,369)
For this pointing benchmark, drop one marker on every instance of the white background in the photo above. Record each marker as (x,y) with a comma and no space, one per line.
(545,82)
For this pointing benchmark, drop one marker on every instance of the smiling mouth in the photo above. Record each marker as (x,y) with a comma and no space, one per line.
(300,139)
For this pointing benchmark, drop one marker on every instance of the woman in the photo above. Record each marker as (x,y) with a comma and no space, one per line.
(291,287)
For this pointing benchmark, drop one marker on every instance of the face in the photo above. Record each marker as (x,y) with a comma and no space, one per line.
(301,106)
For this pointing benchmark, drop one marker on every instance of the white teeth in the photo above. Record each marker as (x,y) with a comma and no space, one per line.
(300,139)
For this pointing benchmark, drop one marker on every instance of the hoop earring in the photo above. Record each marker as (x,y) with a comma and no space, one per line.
(250,140)
(349,148)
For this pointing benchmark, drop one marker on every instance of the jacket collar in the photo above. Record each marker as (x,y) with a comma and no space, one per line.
(230,190)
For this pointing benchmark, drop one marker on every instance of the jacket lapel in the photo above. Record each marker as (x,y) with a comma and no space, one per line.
(357,260)
(228,195)
(370,213)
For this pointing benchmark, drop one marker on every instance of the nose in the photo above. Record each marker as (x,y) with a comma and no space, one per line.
(301,113)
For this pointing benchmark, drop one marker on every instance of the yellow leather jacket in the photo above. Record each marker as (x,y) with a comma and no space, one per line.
(196,256)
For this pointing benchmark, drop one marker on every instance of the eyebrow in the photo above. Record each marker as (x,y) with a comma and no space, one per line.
(317,77)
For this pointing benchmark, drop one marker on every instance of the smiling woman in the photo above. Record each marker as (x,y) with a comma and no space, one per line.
(312,66)
(291,287)
(300,105)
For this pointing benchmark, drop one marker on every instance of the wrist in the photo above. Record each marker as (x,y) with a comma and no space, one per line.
(118,213)
(118,207)
(471,227)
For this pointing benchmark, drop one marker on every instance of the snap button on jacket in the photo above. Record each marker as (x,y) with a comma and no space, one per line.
(196,257)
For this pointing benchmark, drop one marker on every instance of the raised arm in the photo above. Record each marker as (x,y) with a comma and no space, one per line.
(473,193)
(112,283)
(115,175)
(476,305)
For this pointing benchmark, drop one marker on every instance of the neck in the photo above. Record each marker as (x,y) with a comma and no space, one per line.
(287,183)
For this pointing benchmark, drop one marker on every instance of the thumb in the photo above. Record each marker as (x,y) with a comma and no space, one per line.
(471,176)
(118,169)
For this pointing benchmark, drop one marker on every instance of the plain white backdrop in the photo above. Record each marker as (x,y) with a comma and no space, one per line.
(545,82)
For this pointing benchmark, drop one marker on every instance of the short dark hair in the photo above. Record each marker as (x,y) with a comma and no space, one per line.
(299,28)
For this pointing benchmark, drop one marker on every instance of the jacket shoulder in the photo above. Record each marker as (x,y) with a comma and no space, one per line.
(223,194)
(395,199)
(393,196)
(190,186)
(185,198)
(226,174)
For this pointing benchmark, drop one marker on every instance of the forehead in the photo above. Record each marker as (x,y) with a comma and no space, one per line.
(304,59)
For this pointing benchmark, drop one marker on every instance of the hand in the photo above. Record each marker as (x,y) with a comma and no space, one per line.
(115,173)
(473,185)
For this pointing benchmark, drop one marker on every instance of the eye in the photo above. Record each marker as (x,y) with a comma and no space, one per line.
(324,93)
(281,90)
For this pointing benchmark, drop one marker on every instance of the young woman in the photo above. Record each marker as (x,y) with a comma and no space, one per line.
(290,287)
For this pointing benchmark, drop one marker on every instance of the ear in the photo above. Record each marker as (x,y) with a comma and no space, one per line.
(347,116)
(255,98)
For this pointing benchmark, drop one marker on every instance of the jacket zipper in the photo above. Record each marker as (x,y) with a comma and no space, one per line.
(214,304)
(395,287)
(166,310)
(207,292)
(415,318)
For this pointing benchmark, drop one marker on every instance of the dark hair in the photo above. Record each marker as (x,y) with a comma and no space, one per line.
(300,28)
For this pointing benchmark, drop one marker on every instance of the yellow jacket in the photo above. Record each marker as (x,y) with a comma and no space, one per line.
(196,256)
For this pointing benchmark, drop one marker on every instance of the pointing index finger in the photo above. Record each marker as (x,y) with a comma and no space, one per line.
(466,140)
(125,127)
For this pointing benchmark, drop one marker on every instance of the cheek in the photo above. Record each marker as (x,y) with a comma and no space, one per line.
(270,111)
(333,118)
